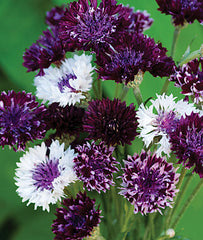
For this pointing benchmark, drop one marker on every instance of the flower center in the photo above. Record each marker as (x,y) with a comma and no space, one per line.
(65,82)
(112,127)
(128,61)
(94,26)
(15,118)
(167,122)
(45,173)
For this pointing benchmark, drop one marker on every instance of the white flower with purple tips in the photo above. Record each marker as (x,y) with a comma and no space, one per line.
(42,176)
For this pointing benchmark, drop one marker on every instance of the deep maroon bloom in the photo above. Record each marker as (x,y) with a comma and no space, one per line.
(182,11)
(187,142)
(133,53)
(94,166)
(148,182)
(139,21)
(54,16)
(76,219)
(66,120)
(93,26)
(111,121)
(21,119)
(47,50)
(190,78)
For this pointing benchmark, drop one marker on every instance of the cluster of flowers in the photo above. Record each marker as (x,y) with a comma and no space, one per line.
(92,128)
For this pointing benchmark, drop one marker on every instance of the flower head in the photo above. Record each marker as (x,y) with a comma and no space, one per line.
(139,20)
(93,26)
(190,78)
(76,219)
(66,120)
(111,121)
(133,53)
(148,182)
(47,50)
(21,119)
(54,16)
(182,10)
(94,165)
(187,142)
(160,119)
(43,173)
(68,84)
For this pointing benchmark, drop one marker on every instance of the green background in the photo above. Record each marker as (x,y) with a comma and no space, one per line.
(21,23)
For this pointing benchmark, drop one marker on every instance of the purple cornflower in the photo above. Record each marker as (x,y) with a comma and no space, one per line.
(148,182)
(76,219)
(190,78)
(133,53)
(47,50)
(93,26)
(94,166)
(66,120)
(182,11)
(54,16)
(139,20)
(21,119)
(111,121)
(187,142)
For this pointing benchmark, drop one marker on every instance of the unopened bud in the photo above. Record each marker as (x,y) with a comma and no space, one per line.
(170,233)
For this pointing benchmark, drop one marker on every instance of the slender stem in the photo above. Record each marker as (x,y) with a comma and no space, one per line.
(124,92)
(99,89)
(186,205)
(173,47)
(175,40)
(138,95)
(151,218)
(180,195)
(116,90)
(182,175)
(191,56)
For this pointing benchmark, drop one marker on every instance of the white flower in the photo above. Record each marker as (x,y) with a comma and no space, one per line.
(67,84)
(160,118)
(40,178)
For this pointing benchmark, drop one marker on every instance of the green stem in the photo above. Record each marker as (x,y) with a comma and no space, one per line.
(191,56)
(173,47)
(99,89)
(180,195)
(124,92)
(182,175)
(138,95)
(186,205)
(116,90)
(151,219)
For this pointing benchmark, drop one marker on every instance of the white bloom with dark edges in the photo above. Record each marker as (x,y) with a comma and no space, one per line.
(157,120)
(41,178)
(68,84)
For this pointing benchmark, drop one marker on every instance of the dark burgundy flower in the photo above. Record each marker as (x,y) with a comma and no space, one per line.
(94,166)
(187,142)
(93,26)
(190,78)
(54,16)
(21,119)
(111,121)
(66,120)
(139,21)
(182,11)
(133,53)
(149,182)
(47,50)
(76,219)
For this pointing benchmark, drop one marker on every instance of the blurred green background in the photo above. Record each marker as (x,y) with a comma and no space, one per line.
(21,23)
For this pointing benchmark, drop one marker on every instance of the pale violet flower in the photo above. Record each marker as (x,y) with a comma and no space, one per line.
(157,120)
(41,178)
(68,84)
